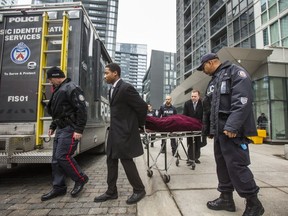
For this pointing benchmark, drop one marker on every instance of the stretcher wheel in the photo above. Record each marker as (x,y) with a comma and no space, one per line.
(145,141)
(177,162)
(149,173)
(193,166)
(166,178)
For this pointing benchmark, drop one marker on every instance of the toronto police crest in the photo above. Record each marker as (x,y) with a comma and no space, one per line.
(20,53)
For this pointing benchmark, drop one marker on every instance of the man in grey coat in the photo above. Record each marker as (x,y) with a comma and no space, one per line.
(128,113)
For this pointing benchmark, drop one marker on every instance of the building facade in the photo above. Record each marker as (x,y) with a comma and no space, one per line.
(8,2)
(133,61)
(213,25)
(160,78)
(104,16)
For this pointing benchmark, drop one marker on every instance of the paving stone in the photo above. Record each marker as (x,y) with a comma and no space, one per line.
(39,212)
(5,212)
(59,212)
(78,211)
(98,211)
(19,206)
(24,197)
(119,210)
(19,212)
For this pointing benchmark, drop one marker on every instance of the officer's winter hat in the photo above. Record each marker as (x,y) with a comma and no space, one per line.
(206,58)
(55,72)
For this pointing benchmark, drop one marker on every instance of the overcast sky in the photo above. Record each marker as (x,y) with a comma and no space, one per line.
(151,22)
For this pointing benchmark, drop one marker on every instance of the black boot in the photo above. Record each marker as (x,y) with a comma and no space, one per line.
(253,207)
(224,202)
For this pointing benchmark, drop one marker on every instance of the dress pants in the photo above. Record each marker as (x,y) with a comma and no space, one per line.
(131,173)
(194,155)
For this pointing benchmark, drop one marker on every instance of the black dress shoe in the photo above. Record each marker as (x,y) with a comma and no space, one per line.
(136,197)
(52,194)
(104,197)
(189,162)
(197,161)
(78,187)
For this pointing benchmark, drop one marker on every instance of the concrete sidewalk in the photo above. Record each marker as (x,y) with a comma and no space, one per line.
(189,190)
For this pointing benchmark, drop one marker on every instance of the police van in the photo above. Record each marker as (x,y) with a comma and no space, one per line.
(34,38)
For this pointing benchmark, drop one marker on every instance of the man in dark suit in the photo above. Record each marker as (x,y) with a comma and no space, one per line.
(193,108)
(128,113)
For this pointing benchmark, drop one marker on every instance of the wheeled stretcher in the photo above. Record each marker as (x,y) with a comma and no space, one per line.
(150,136)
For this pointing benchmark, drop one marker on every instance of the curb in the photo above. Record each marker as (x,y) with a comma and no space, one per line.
(159,200)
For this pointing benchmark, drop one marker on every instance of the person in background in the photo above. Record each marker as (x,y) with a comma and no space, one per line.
(68,109)
(151,112)
(193,108)
(262,121)
(230,120)
(128,113)
(167,109)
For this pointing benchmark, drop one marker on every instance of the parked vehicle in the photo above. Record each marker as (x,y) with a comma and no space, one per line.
(33,39)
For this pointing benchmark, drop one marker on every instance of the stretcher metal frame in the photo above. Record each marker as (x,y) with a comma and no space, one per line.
(152,136)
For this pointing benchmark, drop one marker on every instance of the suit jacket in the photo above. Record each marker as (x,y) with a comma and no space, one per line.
(189,109)
(128,112)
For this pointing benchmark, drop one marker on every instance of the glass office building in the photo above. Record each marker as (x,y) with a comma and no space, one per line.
(160,78)
(232,29)
(104,16)
(133,61)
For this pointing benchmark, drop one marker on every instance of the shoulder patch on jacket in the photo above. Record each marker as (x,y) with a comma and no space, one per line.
(242,74)
(81,97)
(243,100)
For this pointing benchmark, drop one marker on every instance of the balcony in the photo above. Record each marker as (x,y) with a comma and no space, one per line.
(188,35)
(216,6)
(218,25)
(215,49)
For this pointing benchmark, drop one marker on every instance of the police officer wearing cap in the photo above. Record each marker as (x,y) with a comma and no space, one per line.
(68,109)
(228,117)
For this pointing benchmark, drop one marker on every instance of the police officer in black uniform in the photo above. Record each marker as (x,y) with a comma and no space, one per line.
(68,109)
(228,117)
(167,109)
(151,112)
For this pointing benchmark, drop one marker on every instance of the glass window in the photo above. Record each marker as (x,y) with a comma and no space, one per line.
(273,11)
(236,36)
(251,14)
(277,88)
(236,25)
(262,107)
(283,4)
(251,27)
(235,10)
(284,30)
(261,89)
(271,2)
(245,44)
(244,31)
(274,33)
(263,5)
(279,120)
(243,4)
(252,41)
(235,2)
(265,37)
(264,18)
(285,42)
